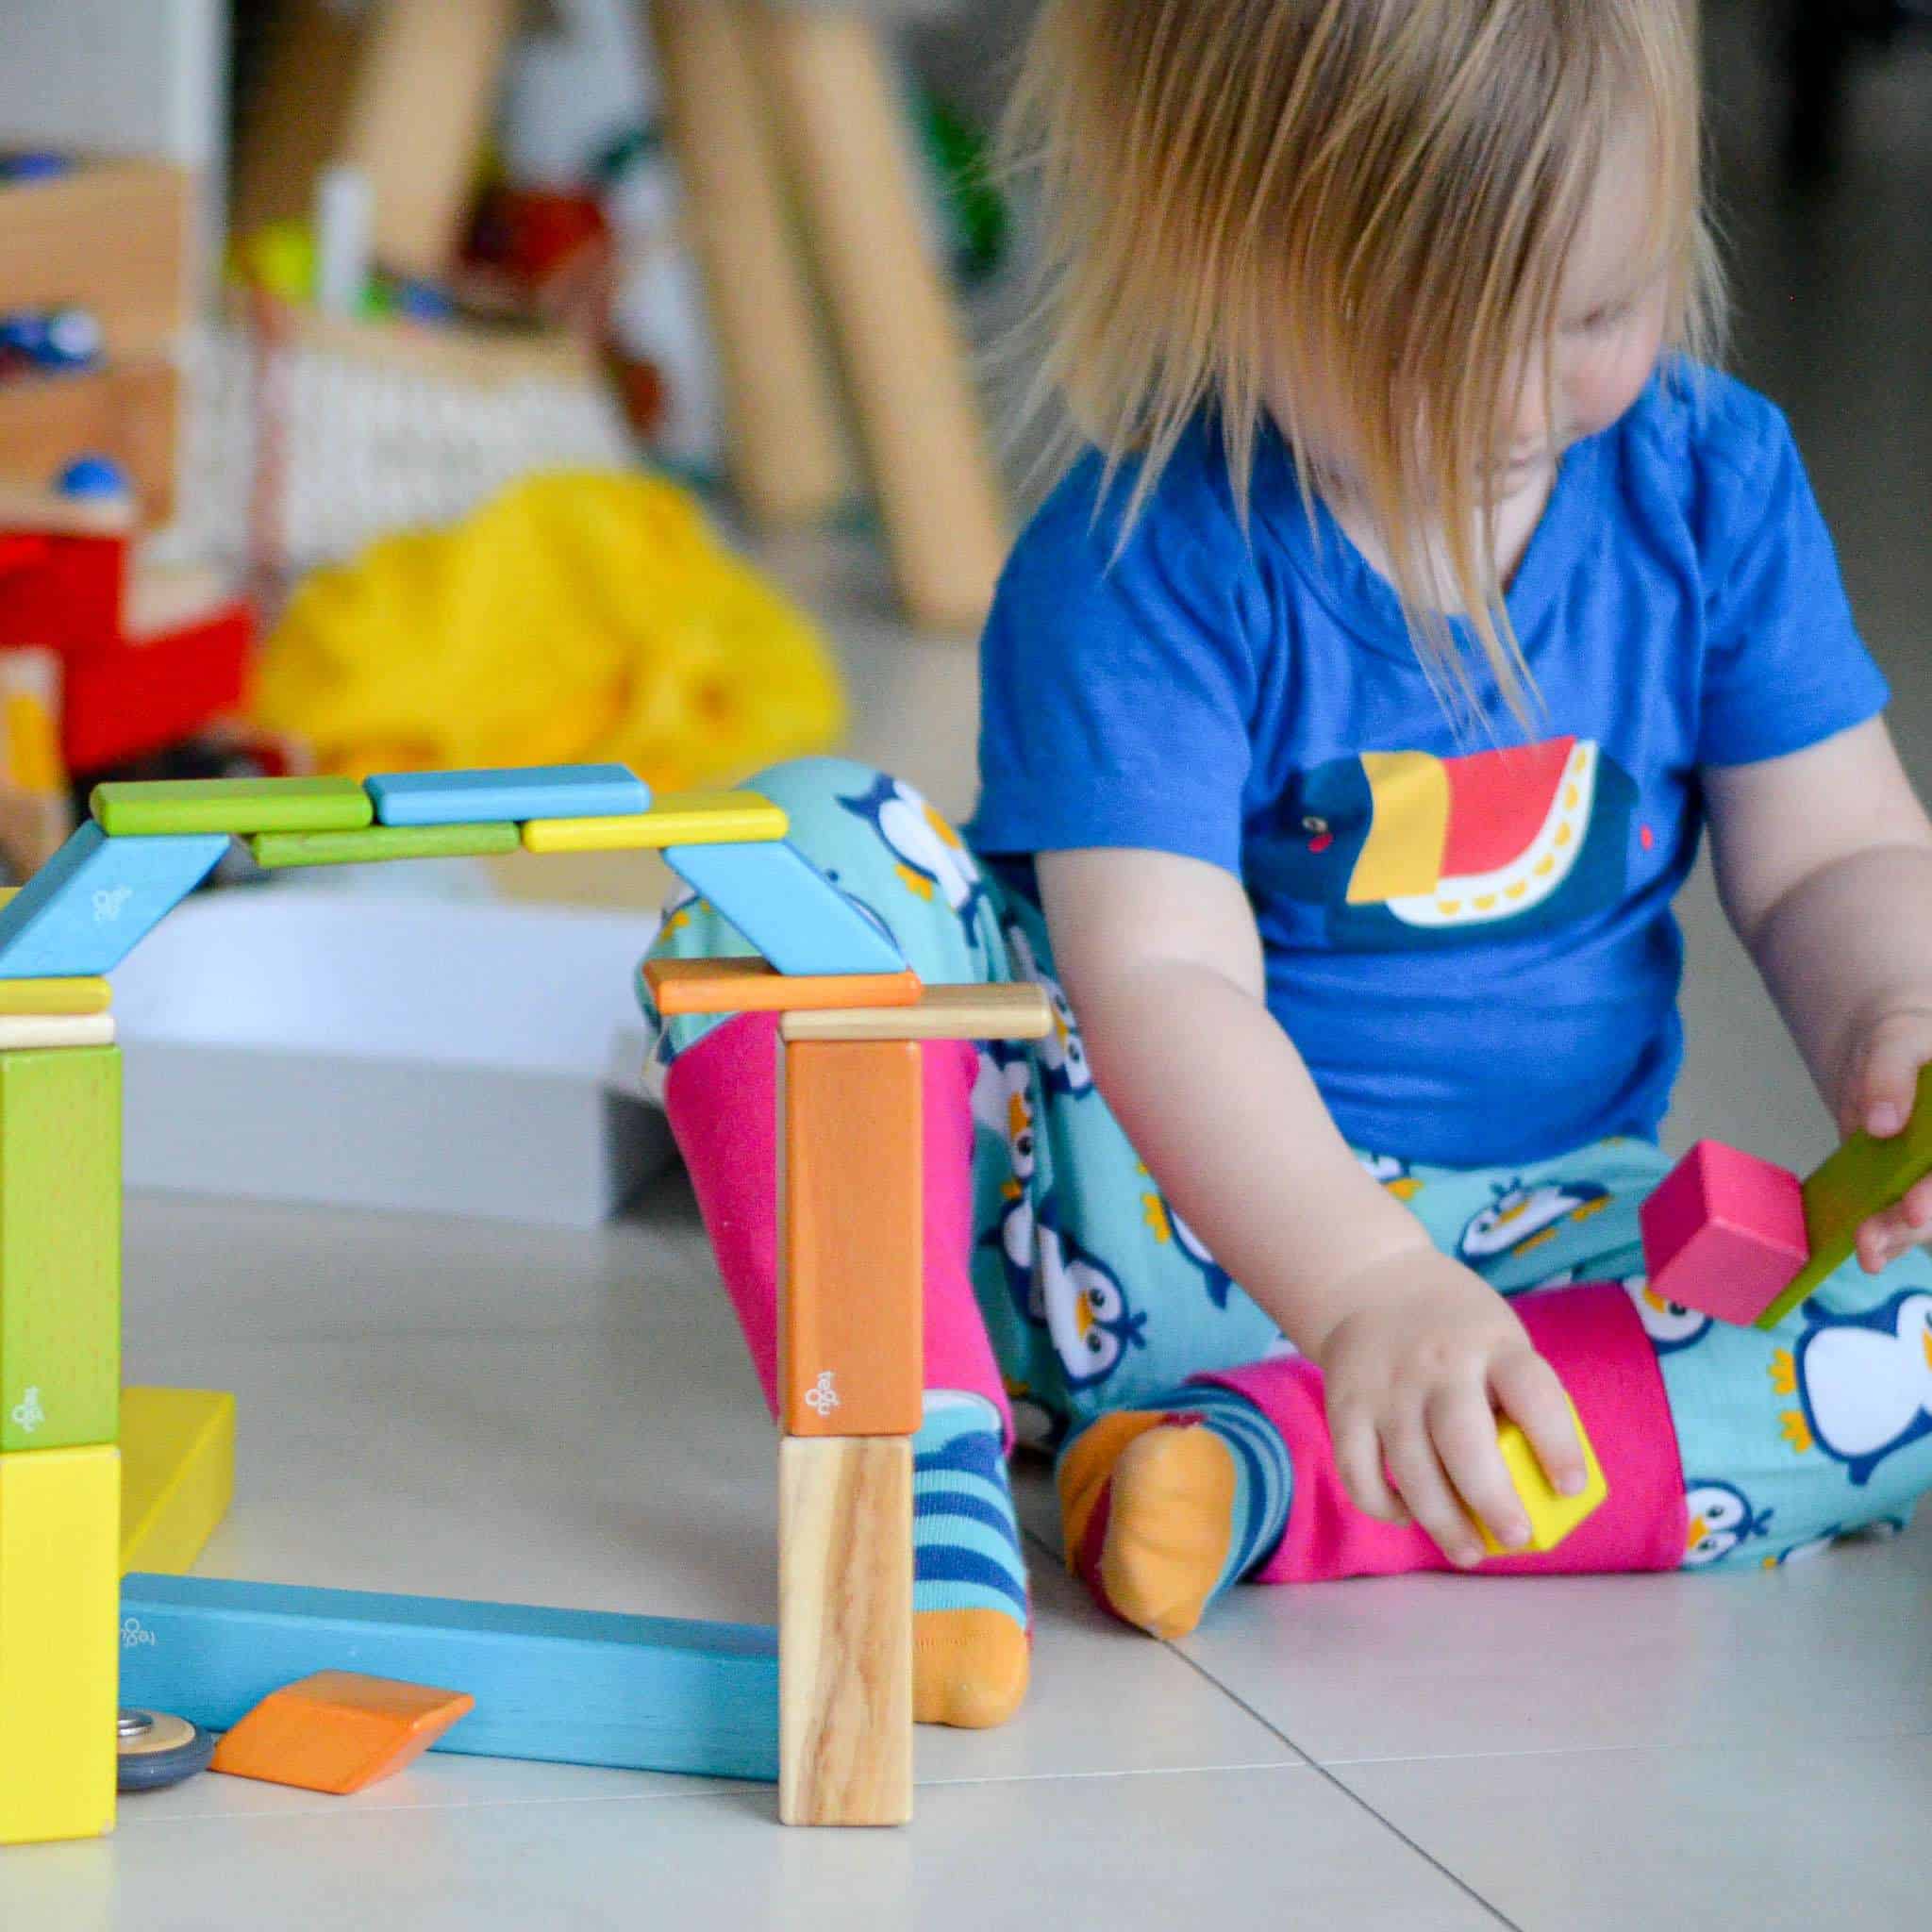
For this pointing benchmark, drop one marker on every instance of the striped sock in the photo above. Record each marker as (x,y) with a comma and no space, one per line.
(1166,1507)
(972,1635)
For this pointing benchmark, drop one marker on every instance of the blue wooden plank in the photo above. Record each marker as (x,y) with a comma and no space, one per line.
(789,909)
(568,1687)
(97,898)
(519,792)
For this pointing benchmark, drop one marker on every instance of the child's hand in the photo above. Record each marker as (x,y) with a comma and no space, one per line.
(1877,1096)
(1415,1372)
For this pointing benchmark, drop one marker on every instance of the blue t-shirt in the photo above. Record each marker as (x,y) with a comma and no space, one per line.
(1474,949)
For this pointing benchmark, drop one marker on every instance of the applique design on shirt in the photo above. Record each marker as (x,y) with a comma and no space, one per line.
(1408,850)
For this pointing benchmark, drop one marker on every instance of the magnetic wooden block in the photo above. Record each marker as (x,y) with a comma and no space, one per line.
(678,818)
(567,1687)
(788,910)
(941,1012)
(517,792)
(96,899)
(31,1030)
(1552,1516)
(128,699)
(230,804)
(1724,1233)
(60,1510)
(1862,1177)
(751,986)
(845,1632)
(178,1474)
(278,850)
(19,997)
(339,1731)
(60,1248)
(852,1239)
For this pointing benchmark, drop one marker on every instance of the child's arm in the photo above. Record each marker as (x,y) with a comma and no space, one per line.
(1824,865)
(1163,965)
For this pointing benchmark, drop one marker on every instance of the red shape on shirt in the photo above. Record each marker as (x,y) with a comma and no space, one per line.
(1498,801)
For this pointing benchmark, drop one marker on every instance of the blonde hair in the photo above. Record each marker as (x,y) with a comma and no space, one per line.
(1373,200)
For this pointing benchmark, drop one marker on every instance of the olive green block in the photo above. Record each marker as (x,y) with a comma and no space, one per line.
(279,849)
(59,1247)
(154,808)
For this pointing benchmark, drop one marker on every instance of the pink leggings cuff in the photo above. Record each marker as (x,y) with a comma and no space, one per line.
(1591,1337)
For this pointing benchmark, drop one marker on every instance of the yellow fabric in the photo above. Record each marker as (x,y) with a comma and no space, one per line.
(578,617)
(1409,831)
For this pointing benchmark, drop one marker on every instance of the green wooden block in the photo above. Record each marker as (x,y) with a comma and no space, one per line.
(59,1247)
(153,807)
(1863,1176)
(279,849)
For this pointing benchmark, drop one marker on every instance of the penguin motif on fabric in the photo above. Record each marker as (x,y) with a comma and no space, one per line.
(1803,1552)
(1003,1099)
(1164,1219)
(1393,1173)
(1086,1311)
(1522,1218)
(932,860)
(1670,1324)
(1062,1055)
(1863,1382)
(1720,1517)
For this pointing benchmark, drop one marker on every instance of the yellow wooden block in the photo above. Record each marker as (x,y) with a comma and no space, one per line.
(28,996)
(59,1642)
(1552,1516)
(677,818)
(177,1475)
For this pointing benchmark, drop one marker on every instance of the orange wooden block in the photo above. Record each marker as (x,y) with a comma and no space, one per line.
(852,1225)
(750,986)
(339,1731)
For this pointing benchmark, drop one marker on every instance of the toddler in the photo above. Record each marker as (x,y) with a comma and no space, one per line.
(1418,597)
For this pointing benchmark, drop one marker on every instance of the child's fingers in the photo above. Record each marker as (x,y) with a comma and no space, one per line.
(1882,1096)
(1431,1499)
(1887,1234)
(1463,1428)
(1359,1462)
(1530,1393)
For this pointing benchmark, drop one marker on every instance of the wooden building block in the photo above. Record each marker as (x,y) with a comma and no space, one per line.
(845,1632)
(852,1239)
(1862,1177)
(59,1642)
(751,986)
(518,792)
(788,910)
(1724,1233)
(178,1474)
(128,412)
(21,997)
(339,1731)
(941,1012)
(29,1031)
(145,694)
(96,899)
(567,1687)
(239,806)
(1552,1515)
(276,851)
(60,1248)
(678,818)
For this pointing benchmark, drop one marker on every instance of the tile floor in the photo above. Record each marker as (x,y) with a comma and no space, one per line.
(438,1408)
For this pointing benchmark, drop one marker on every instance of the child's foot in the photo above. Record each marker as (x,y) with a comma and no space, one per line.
(1165,1509)
(972,1635)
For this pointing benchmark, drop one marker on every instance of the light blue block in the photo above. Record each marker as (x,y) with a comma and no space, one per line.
(519,792)
(788,908)
(97,898)
(568,1687)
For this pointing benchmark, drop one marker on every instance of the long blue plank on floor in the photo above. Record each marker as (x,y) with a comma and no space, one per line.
(97,898)
(518,792)
(567,1687)
(788,908)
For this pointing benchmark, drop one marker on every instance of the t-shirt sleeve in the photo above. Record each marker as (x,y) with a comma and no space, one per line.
(1117,689)
(1784,665)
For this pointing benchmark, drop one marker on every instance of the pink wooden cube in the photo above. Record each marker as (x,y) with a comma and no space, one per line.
(1725,1233)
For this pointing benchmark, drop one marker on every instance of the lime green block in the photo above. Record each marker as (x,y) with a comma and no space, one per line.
(59,1247)
(278,849)
(152,809)
(1863,1176)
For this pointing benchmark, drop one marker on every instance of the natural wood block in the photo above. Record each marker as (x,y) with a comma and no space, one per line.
(177,1475)
(339,1731)
(24,1031)
(851,1237)
(751,986)
(124,410)
(845,1632)
(19,997)
(941,1012)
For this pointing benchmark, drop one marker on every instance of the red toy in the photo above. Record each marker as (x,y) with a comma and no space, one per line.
(1725,1233)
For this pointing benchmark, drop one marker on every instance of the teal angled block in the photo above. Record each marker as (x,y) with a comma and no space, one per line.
(97,898)
(788,908)
(516,792)
(566,1686)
